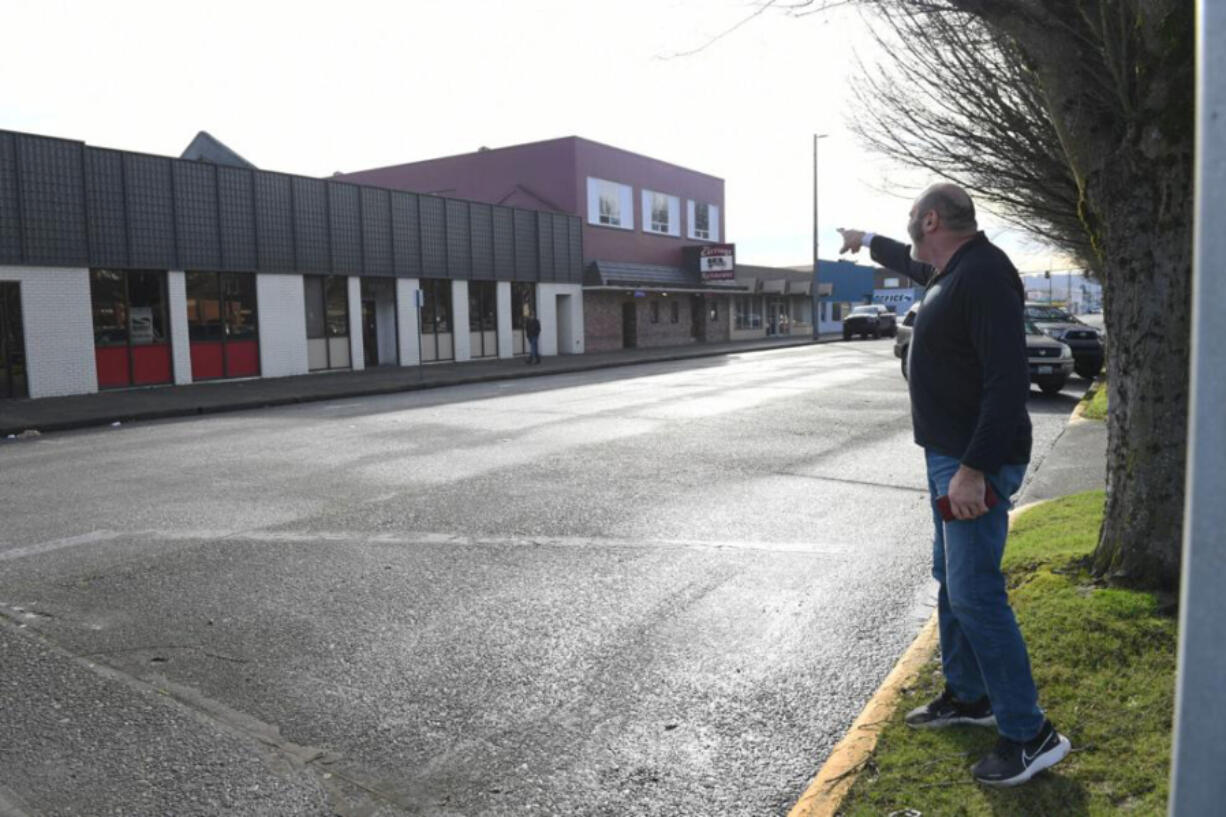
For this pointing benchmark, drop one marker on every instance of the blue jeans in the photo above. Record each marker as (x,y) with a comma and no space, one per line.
(534,353)
(982,651)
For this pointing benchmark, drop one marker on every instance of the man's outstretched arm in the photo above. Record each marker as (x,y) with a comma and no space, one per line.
(888,253)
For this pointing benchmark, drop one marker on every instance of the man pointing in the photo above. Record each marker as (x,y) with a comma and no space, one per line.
(969,381)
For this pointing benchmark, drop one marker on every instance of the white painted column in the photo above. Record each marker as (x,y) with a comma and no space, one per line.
(575,317)
(180,342)
(58,328)
(547,314)
(506,343)
(357,351)
(409,321)
(459,321)
(281,301)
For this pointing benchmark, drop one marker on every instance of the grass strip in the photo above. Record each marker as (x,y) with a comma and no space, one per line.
(1104,661)
(1096,408)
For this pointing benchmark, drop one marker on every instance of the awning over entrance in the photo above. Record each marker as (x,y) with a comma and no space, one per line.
(651,278)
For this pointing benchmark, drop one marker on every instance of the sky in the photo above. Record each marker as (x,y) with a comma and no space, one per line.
(314,88)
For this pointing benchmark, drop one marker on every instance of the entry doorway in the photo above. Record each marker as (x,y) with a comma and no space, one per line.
(13,379)
(380,346)
(566,325)
(630,325)
(698,316)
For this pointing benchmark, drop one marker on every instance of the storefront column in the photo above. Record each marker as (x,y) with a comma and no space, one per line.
(459,321)
(357,350)
(58,328)
(506,342)
(549,297)
(176,313)
(408,316)
(282,324)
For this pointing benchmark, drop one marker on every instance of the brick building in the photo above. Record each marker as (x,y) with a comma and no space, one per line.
(645,223)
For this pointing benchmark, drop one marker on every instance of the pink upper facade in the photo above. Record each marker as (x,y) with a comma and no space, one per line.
(554,175)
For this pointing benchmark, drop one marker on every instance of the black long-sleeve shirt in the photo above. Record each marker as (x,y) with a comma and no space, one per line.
(969,377)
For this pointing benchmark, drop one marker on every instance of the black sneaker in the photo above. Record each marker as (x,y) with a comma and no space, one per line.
(1012,764)
(949,711)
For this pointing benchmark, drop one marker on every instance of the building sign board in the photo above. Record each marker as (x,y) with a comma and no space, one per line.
(899,300)
(717,262)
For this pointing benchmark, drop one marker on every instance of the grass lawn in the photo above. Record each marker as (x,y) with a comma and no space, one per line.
(1097,407)
(1104,661)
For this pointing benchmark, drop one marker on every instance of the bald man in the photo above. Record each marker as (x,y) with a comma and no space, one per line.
(969,381)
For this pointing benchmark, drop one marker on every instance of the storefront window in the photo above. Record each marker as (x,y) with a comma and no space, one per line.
(203,307)
(336,299)
(221,324)
(238,290)
(130,337)
(108,291)
(327,320)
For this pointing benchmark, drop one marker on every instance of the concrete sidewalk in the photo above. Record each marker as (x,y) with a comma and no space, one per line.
(1076,462)
(159,402)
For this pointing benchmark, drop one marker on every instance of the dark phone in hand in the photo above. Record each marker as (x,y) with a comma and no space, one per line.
(947,513)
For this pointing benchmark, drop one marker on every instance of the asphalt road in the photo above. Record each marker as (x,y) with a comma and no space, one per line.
(658,590)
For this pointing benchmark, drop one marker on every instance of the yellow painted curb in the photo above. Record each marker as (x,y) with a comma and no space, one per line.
(825,794)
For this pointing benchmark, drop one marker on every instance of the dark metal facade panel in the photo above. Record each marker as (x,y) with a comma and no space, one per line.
(433,219)
(10,202)
(148,189)
(51,178)
(63,203)
(526,268)
(459,249)
(274,222)
(544,241)
(504,244)
(575,248)
(196,217)
(311,235)
(345,228)
(406,236)
(376,232)
(105,210)
(236,211)
(480,221)
(561,257)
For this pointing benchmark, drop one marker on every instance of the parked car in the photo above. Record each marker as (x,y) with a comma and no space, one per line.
(902,337)
(1085,341)
(870,319)
(1051,361)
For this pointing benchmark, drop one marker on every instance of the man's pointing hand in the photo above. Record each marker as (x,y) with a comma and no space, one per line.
(852,240)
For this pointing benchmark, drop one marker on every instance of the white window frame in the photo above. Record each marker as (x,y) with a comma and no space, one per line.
(712,233)
(673,227)
(623,194)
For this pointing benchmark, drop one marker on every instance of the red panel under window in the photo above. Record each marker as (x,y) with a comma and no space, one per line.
(242,358)
(112,362)
(151,364)
(206,360)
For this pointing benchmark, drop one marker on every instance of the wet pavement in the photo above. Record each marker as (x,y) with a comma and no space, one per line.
(659,589)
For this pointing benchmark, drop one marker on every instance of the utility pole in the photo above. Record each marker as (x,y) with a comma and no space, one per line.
(816,293)
(1197,784)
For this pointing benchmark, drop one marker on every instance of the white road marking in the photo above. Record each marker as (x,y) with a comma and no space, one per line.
(59,544)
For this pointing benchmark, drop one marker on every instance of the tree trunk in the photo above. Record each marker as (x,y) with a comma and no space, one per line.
(1147,303)
(1148,398)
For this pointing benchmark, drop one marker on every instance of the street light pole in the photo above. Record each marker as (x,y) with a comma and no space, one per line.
(816,294)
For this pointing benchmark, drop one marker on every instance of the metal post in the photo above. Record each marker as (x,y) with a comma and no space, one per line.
(1198,786)
(816,294)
